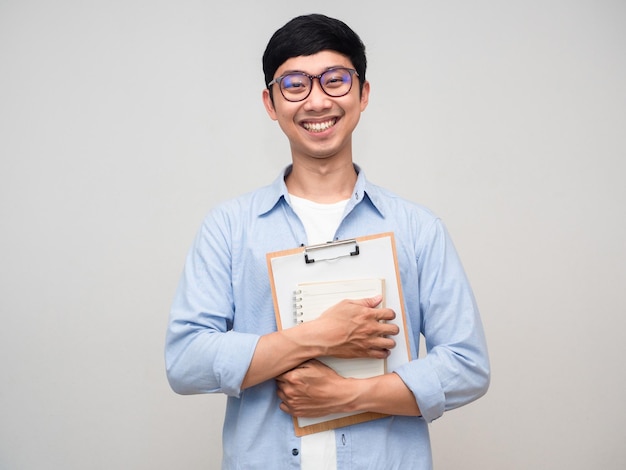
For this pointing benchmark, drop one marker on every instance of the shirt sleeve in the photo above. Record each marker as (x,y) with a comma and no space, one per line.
(455,370)
(202,352)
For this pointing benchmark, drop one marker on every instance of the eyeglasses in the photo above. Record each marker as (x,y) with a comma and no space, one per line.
(297,86)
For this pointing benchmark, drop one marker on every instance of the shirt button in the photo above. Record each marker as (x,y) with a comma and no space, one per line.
(294,452)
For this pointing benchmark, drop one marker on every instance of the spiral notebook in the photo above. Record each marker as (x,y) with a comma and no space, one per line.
(311,299)
(327,266)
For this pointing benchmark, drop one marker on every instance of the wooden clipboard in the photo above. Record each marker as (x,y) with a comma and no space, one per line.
(362,257)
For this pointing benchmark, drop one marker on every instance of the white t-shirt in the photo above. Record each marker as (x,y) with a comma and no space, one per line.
(318,451)
(320,220)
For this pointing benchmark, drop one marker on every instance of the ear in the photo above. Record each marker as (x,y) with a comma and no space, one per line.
(365,95)
(269,105)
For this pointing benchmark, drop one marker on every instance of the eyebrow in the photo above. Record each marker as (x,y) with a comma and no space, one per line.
(325,70)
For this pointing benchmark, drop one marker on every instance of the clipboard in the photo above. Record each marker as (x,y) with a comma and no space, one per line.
(369,256)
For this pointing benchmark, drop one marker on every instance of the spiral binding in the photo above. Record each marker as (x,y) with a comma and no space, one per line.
(297,307)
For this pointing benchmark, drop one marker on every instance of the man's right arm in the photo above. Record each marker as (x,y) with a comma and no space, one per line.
(352,328)
(204,352)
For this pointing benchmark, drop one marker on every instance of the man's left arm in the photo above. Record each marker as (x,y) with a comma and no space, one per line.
(454,372)
(314,389)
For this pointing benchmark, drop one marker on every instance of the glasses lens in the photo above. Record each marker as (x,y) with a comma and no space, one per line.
(336,82)
(295,86)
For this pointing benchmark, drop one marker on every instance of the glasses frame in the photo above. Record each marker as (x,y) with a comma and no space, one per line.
(279,79)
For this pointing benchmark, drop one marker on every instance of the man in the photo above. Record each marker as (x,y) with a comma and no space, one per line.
(222,333)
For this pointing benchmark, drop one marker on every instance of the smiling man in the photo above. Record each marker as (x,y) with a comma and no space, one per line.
(222,334)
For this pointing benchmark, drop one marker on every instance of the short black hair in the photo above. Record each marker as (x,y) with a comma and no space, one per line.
(309,34)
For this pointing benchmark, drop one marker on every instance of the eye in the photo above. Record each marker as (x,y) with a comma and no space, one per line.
(294,83)
(336,78)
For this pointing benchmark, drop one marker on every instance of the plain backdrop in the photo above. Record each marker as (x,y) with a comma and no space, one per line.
(123,122)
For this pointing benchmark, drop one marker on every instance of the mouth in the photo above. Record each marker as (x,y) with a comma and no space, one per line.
(316,127)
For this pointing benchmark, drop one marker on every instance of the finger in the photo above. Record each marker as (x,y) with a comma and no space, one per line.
(384,343)
(285,408)
(378,353)
(371,301)
(385,314)
(389,329)
(285,377)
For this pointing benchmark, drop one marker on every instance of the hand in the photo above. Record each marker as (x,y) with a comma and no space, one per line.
(356,328)
(312,389)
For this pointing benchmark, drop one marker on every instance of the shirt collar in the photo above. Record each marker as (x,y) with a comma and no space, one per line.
(363,190)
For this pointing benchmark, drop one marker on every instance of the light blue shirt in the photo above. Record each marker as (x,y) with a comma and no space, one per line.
(223,304)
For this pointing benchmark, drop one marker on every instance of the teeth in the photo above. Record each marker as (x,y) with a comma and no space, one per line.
(319,126)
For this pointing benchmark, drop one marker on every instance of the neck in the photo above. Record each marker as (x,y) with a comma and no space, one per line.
(321,181)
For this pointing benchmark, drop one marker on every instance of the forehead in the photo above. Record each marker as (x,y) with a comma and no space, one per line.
(314,64)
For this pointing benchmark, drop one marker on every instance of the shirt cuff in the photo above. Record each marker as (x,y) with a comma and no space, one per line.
(424,383)
(233,360)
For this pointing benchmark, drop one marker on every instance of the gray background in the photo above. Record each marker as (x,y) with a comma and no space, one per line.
(123,122)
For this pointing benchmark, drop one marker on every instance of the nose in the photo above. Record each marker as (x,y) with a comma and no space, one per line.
(317,99)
